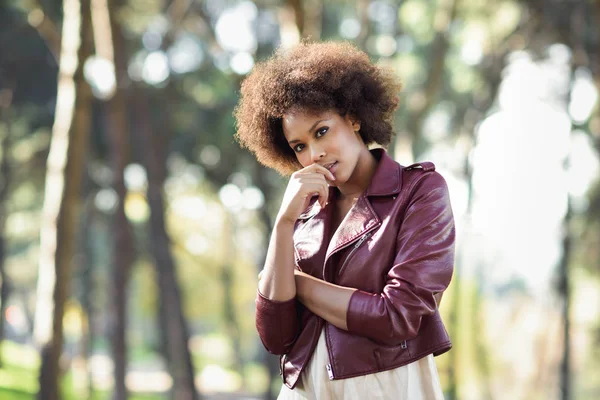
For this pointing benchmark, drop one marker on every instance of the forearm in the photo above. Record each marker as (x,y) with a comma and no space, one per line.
(325,299)
(277,278)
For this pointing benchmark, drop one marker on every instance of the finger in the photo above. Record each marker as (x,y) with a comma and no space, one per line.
(323,193)
(321,170)
(313,174)
(312,178)
(316,187)
(313,181)
(260,274)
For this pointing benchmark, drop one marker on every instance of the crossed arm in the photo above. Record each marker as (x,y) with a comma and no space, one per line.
(420,272)
(324,299)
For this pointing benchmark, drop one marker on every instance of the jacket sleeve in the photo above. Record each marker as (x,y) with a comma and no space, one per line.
(421,270)
(276,323)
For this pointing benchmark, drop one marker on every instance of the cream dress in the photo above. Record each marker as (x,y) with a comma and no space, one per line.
(418,380)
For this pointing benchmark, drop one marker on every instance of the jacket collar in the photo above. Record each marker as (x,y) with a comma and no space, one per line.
(361,218)
(386,181)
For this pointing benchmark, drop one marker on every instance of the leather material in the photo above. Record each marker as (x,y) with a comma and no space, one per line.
(396,246)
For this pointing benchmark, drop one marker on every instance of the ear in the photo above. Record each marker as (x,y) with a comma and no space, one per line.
(355,123)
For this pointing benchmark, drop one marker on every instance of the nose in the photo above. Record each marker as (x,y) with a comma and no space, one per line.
(316,153)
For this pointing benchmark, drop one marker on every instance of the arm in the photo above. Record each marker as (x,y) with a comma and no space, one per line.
(276,319)
(325,299)
(277,277)
(422,270)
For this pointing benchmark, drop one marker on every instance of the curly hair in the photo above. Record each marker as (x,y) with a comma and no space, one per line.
(314,77)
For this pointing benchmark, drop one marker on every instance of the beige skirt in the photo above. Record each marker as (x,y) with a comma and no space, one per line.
(418,380)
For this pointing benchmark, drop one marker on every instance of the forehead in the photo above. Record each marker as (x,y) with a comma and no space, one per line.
(298,121)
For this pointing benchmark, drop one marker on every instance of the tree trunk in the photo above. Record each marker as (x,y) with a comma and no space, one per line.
(174,330)
(291,22)
(362,11)
(5,145)
(109,43)
(565,294)
(62,192)
(86,262)
(313,22)
(39,19)
(421,106)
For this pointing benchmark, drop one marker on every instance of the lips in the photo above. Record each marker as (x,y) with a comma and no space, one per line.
(330,165)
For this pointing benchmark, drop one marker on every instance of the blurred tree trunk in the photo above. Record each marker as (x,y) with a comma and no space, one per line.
(5,175)
(109,42)
(172,323)
(420,103)
(491,69)
(296,7)
(300,19)
(86,262)
(62,193)
(571,23)
(291,22)
(39,19)
(565,294)
(313,20)
(362,11)
(173,326)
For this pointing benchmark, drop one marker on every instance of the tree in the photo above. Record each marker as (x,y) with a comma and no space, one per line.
(62,192)
(109,43)
(173,326)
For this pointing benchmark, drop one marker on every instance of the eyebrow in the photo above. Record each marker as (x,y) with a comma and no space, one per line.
(309,130)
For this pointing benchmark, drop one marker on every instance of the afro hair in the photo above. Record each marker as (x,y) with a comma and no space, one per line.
(314,77)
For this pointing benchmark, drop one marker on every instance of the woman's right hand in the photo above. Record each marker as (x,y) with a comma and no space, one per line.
(304,184)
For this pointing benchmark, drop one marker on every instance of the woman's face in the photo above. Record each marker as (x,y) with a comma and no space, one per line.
(326,138)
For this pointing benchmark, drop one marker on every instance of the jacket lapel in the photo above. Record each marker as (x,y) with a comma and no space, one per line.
(361,218)
(310,240)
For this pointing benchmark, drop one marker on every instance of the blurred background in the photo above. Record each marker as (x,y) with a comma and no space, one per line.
(133,227)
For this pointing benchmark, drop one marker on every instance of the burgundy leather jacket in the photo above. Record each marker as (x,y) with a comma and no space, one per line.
(396,245)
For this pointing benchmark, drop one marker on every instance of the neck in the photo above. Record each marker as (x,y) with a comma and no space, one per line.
(361,177)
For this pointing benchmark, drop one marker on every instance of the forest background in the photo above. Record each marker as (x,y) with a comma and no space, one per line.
(133,226)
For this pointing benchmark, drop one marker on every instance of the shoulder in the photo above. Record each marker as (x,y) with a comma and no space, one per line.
(425,166)
(422,178)
(422,172)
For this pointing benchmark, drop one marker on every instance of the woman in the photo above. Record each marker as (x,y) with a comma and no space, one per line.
(362,247)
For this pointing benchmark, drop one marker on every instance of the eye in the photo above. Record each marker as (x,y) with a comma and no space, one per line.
(321,131)
(298,148)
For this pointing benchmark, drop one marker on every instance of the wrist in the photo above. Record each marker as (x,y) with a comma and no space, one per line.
(301,283)
(282,222)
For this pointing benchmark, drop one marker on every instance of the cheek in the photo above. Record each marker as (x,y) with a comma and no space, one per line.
(303,159)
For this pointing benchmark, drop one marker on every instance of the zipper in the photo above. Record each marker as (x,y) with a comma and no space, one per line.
(356,246)
(329,372)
